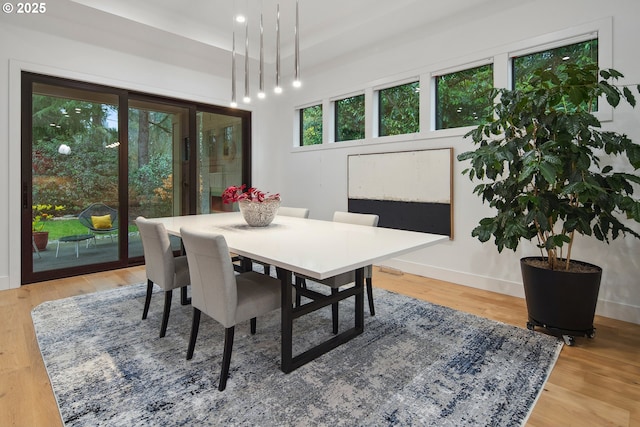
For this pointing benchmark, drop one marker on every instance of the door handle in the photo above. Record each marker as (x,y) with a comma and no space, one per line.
(25,196)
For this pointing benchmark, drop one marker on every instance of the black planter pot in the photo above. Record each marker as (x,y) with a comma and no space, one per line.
(562,302)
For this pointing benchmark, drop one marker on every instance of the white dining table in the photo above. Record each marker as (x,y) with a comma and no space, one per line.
(312,248)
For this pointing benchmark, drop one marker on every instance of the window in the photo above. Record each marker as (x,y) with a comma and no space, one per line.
(582,53)
(311,125)
(462,97)
(349,118)
(399,109)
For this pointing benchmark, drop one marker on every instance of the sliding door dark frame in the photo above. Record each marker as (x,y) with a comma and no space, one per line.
(28,275)
(26,178)
(246,147)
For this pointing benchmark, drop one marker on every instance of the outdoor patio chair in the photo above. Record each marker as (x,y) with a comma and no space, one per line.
(100,219)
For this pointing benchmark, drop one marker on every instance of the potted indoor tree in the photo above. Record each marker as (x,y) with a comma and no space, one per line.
(546,166)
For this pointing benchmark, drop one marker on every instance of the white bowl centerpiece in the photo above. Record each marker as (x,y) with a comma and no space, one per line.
(257,208)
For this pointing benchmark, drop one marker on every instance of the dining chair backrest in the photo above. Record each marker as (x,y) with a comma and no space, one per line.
(356,218)
(295,212)
(213,282)
(158,255)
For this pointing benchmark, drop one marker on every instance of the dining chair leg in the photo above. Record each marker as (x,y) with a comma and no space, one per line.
(184,298)
(334,312)
(253,326)
(372,310)
(147,300)
(165,314)
(195,325)
(226,357)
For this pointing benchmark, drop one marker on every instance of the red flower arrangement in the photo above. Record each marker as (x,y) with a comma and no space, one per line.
(235,194)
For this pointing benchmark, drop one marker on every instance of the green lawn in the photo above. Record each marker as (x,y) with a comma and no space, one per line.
(68,227)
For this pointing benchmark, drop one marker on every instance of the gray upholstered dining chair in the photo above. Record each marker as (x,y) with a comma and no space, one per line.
(222,295)
(349,277)
(161,266)
(295,212)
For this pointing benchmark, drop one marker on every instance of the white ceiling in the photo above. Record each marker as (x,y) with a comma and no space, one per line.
(328,28)
(198,33)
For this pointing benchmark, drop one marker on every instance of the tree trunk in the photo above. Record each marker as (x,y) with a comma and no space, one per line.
(143,138)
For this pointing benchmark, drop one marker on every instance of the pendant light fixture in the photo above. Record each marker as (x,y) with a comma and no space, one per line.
(296,76)
(234,103)
(247,96)
(242,17)
(261,93)
(278,88)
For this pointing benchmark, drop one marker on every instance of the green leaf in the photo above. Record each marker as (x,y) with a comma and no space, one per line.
(633,154)
(634,211)
(611,93)
(615,73)
(548,171)
(629,95)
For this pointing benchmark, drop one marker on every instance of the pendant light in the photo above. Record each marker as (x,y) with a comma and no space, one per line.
(247,96)
(278,89)
(261,93)
(296,73)
(234,103)
(241,17)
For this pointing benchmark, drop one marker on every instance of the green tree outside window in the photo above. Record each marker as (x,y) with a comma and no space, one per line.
(582,54)
(399,109)
(349,118)
(311,125)
(462,97)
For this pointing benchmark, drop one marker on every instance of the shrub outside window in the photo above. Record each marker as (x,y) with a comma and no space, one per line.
(462,97)
(399,109)
(349,120)
(582,53)
(311,125)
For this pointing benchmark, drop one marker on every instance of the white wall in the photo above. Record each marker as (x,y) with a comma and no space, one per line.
(23,49)
(316,177)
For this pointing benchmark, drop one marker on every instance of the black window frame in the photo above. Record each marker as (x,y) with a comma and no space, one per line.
(514,59)
(476,120)
(336,120)
(381,126)
(301,139)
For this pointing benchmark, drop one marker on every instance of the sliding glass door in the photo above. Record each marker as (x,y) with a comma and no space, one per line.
(221,156)
(74,164)
(95,158)
(157,164)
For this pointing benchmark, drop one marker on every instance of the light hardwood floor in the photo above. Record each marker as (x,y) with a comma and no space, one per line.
(594,383)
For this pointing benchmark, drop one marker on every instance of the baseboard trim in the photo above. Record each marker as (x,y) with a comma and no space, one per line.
(611,309)
(5,283)
(486,283)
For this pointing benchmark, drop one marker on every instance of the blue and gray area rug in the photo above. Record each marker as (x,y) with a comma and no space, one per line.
(416,364)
